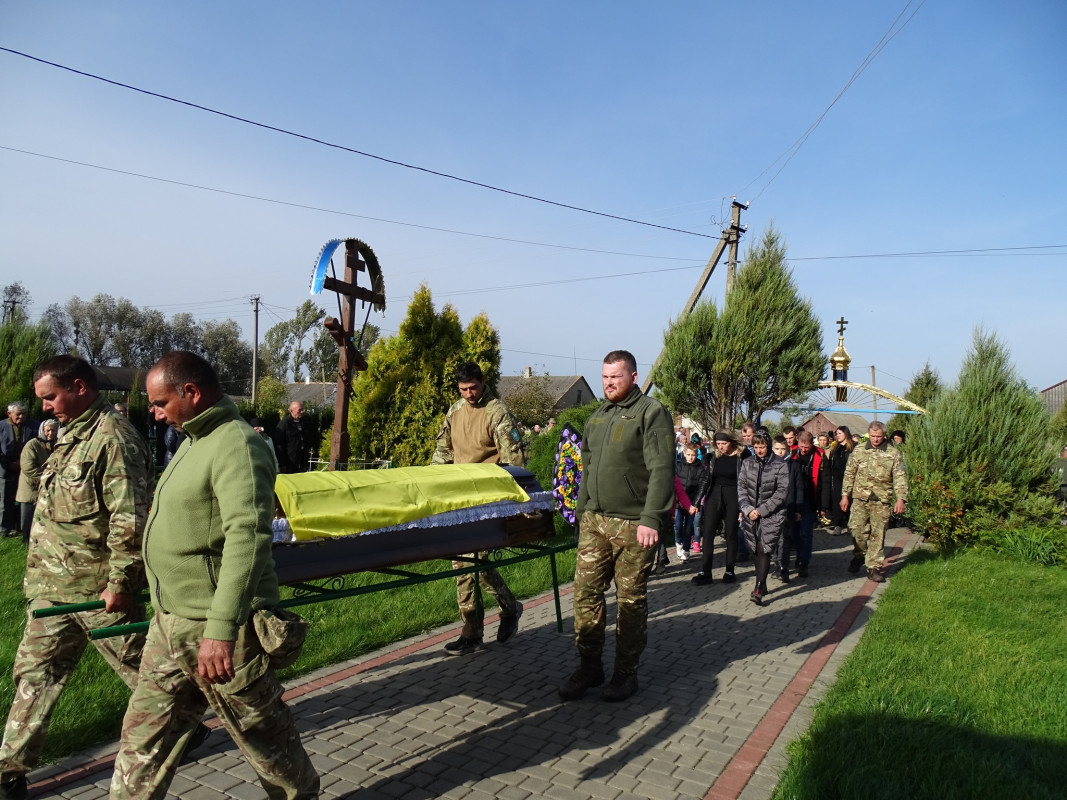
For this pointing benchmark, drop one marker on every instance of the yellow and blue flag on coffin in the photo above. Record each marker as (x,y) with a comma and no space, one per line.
(344,503)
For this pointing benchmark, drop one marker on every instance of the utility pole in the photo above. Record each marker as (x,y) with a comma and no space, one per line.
(255,346)
(874,397)
(731,235)
(10,306)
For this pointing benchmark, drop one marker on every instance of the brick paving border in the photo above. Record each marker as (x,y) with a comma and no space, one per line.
(743,766)
(742,758)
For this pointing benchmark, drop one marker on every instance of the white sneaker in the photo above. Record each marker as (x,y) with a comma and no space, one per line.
(682,555)
(686,556)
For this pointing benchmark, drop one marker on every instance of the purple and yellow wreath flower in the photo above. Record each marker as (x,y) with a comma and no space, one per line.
(567,475)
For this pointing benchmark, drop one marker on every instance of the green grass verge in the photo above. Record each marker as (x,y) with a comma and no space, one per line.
(957,689)
(91,708)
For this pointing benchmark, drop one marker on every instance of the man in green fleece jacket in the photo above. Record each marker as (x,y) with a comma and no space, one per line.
(208,559)
(624,502)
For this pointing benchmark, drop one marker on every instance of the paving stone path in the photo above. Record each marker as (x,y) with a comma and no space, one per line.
(724,685)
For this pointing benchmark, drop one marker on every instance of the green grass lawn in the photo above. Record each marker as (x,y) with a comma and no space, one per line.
(957,689)
(90,710)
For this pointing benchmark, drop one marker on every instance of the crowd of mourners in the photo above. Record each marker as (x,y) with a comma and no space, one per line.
(765,495)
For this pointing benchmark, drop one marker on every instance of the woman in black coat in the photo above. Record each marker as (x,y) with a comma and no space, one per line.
(762,488)
(719,495)
(838,457)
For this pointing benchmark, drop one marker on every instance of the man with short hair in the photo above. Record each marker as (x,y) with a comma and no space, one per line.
(790,434)
(15,432)
(875,472)
(85,544)
(291,444)
(624,502)
(479,429)
(748,430)
(208,555)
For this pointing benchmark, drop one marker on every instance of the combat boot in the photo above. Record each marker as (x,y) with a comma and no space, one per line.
(623,685)
(590,673)
(13,786)
(464,646)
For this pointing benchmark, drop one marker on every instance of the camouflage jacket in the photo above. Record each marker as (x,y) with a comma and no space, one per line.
(875,473)
(91,511)
(501,433)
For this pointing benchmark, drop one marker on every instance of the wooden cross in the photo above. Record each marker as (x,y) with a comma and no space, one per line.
(841,323)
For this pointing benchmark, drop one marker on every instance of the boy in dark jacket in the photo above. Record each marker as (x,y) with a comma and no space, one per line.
(691,474)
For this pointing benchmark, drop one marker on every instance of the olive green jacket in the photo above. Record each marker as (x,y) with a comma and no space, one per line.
(628,461)
(207,546)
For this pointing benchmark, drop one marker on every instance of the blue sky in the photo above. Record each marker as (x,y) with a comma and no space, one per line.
(951,139)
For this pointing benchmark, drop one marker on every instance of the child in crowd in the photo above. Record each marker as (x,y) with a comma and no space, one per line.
(794,501)
(690,472)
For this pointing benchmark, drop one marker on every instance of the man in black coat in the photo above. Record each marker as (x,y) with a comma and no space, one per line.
(291,442)
(15,431)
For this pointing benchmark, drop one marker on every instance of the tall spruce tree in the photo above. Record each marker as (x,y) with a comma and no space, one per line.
(979,460)
(762,349)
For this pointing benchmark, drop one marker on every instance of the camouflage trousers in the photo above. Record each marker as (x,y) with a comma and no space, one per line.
(470,610)
(869,520)
(607,550)
(50,650)
(171,697)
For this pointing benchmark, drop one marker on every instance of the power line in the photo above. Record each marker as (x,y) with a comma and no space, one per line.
(335,211)
(874,52)
(354,151)
(925,253)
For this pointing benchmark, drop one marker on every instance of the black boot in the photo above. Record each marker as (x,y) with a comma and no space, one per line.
(13,786)
(590,673)
(623,685)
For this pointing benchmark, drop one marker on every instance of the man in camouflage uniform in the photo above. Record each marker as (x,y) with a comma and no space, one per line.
(85,544)
(624,501)
(875,472)
(207,552)
(479,429)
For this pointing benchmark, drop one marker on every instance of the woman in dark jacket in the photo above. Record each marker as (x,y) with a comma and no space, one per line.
(838,456)
(762,488)
(719,495)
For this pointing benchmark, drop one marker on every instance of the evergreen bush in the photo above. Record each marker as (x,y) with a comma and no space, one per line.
(979,461)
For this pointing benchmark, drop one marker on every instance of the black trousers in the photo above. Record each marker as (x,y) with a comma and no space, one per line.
(722,505)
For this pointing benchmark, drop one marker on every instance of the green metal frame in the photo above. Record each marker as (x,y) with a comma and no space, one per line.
(308,593)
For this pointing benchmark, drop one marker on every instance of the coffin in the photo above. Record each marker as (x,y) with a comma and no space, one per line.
(522,518)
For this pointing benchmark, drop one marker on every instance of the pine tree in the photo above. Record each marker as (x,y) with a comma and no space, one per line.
(22,347)
(980,460)
(764,348)
(925,386)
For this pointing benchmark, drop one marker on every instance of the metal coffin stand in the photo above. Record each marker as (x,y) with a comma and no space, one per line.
(317,571)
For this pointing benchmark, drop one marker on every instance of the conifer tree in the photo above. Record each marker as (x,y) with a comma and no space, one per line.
(979,460)
(764,348)
(925,386)
(400,401)
(22,347)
